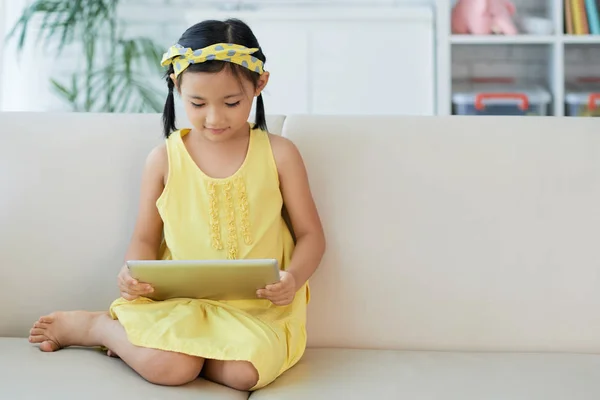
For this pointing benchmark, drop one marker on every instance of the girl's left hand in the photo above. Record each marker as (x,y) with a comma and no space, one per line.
(281,293)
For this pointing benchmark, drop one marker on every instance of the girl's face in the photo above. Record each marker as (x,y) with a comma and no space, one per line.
(217,106)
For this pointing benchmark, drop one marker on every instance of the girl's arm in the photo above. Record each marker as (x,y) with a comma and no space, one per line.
(299,202)
(147,234)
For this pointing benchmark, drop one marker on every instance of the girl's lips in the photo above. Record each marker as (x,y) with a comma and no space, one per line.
(216,131)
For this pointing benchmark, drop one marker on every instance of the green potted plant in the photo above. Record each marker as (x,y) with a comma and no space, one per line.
(114,71)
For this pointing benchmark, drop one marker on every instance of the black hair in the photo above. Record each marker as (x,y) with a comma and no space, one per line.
(205,34)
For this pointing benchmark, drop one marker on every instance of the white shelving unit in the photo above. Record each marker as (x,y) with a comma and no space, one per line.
(556,48)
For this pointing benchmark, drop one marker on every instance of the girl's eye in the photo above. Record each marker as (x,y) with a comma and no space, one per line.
(197,105)
(233,104)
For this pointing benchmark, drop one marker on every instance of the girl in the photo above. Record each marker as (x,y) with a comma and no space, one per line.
(216,190)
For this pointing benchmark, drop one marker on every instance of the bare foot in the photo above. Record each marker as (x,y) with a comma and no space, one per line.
(63,329)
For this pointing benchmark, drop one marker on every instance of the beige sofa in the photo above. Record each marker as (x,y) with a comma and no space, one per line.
(463,256)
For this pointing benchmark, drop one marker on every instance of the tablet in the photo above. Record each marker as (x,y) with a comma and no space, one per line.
(205,279)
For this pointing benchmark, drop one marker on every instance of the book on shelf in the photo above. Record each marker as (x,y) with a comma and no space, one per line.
(582,17)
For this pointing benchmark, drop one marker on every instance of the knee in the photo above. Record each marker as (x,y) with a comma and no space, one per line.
(244,377)
(171,369)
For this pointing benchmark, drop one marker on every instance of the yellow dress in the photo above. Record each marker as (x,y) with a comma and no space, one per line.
(208,218)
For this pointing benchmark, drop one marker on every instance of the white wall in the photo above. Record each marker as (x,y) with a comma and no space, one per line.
(2,29)
(24,77)
(24,83)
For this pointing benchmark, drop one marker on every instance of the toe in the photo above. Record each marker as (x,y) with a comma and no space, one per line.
(49,346)
(36,331)
(111,353)
(37,338)
(48,319)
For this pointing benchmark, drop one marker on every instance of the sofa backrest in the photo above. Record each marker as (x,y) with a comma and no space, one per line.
(69,187)
(455,232)
(443,233)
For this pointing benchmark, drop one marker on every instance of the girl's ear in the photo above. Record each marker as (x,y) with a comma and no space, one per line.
(262,83)
(175,82)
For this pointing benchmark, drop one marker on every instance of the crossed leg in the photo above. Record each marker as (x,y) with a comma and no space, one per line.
(90,329)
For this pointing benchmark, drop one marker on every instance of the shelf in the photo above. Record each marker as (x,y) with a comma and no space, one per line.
(581,39)
(524,39)
(551,60)
(503,39)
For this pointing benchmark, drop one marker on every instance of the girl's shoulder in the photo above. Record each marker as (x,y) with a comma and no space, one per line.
(158,155)
(157,162)
(285,152)
(279,143)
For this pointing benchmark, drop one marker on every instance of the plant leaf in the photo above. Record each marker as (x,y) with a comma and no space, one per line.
(68,94)
(112,78)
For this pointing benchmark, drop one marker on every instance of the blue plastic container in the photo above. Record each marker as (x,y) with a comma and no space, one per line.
(499,99)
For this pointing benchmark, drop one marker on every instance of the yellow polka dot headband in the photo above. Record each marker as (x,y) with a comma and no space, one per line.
(181,57)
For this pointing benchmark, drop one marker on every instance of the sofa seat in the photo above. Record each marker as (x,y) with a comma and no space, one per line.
(322,374)
(386,374)
(26,373)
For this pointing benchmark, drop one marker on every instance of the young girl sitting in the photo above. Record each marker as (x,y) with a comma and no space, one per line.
(214,191)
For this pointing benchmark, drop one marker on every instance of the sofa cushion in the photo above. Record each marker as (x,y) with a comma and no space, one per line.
(387,374)
(77,373)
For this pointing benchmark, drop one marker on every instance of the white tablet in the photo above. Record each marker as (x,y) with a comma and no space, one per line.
(205,279)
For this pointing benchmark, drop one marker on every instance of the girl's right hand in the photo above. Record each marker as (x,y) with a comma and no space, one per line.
(129,287)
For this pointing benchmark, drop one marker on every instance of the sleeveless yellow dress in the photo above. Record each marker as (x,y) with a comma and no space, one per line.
(208,218)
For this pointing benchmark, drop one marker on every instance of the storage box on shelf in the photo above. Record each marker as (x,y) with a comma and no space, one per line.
(582,98)
(582,80)
(473,98)
(502,79)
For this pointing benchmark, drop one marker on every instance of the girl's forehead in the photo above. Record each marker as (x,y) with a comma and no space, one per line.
(220,84)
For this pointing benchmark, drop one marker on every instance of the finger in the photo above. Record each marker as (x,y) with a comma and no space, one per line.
(276,297)
(134,290)
(278,288)
(282,301)
(268,294)
(143,289)
(139,288)
(121,283)
(263,294)
(139,291)
(281,296)
(274,286)
(128,296)
(129,280)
